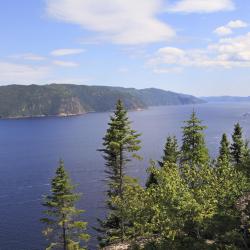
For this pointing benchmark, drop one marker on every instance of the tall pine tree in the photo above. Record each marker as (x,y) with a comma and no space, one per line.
(224,151)
(64,229)
(170,155)
(240,154)
(246,160)
(194,150)
(120,143)
(170,152)
(237,147)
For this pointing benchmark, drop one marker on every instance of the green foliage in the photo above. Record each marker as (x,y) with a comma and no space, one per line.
(68,99)
(194,150)
(63,229)
(192,204)
(237,147)
(224,151)
(189,209)
(120,143)
(245,165)
(170,154)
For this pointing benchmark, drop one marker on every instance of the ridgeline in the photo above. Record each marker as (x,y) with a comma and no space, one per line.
(18,101)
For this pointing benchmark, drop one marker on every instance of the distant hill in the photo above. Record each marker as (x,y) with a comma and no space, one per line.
(226,99)
(66,99)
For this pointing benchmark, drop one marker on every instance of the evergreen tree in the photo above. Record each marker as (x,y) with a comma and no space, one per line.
(64,230)
(194,150)
(120,143)
(224,151)
(170,155)
(237,147)
(170,152)
(246,160)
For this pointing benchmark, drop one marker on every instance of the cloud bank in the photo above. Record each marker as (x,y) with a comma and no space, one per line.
(11,73)
(202,6)
(121,22)
(226,53)
(228,28)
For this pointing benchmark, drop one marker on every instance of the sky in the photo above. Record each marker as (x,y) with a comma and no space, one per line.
(198,47)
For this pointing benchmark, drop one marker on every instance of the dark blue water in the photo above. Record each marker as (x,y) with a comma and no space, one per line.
(30,149)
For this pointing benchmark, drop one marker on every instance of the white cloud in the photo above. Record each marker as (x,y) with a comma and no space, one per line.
(228,28)
(175,57)
(170,55)
(226,53)
(119,21)
(202,6)
(28,57)
(235,50)
(11,73)
(223,31)
(65,63)
(66,52)
(237,24)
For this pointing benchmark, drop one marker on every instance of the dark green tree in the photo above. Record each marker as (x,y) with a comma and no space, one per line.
(224,151)
(170,152)
(120,145)
(237,147)
(246,161)
(240,153)
(170,155)
(64,229)
(194,150)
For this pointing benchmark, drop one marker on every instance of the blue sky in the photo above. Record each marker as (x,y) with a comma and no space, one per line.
(199,47)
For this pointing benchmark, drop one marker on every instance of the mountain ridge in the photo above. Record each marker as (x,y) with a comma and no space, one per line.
(21,101)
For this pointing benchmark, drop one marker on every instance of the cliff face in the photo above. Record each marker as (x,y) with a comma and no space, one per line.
(70,106)
(65,99)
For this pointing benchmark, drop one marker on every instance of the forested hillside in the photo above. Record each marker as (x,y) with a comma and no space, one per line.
(66,99)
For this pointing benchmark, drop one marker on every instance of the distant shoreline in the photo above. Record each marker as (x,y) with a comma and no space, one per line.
(85,113)
(42,116)
(64,115)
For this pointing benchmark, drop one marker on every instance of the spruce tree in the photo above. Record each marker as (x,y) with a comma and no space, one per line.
(224,151)
(246,160)
(170,155)
(64,229)
(237,147)
(120,145)
(170,152)
(194,150)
